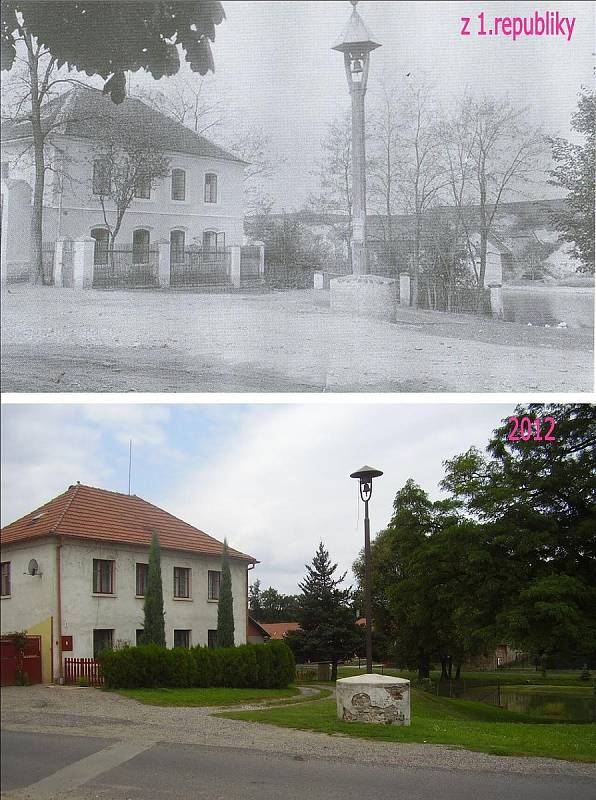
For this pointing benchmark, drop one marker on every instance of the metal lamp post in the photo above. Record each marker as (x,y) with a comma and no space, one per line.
(356,43)
(365,475)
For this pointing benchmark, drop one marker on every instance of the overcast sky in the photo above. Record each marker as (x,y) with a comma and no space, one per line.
(274,62)
(273,479)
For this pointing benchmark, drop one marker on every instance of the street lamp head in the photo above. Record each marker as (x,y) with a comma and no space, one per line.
(365,475)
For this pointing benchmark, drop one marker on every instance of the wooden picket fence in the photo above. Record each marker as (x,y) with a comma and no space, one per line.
(76,668)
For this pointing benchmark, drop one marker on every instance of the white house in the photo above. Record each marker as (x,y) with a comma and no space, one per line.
(74,572)
(200,202)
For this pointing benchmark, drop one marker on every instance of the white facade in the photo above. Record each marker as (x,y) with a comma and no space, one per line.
(35,598)
(72,211)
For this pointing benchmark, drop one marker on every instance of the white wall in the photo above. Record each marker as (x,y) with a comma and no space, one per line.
(33,599)
(80,210)
(82,611)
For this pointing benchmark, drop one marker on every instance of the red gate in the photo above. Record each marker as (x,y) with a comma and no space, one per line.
(9,660)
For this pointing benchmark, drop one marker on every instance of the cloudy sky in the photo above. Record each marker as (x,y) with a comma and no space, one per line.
(274,61)
(274,479)
(275,70)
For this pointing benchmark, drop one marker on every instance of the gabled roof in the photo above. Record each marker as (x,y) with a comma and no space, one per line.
(254,628)
(277,630)
(84,512)
(86,113)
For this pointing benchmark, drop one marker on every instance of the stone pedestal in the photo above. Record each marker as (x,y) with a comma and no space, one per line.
(380,699)
(404,289)
(371,296)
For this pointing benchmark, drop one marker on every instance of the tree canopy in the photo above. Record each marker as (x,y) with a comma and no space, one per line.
(508,557)
(111,37)
(328,630)
(154,625)
(225,609)
(574,170)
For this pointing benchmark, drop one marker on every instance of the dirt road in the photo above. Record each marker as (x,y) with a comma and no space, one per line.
(82,341)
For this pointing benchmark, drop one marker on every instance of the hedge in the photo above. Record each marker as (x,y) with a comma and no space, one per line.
(253,666)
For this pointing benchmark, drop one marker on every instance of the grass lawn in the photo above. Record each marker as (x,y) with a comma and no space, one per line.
(504,677)
(207,697)
(438,720)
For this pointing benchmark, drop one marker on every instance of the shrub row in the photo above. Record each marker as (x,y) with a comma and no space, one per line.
(254,666)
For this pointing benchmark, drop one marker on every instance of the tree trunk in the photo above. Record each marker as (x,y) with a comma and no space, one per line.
(458,671)
(444,674)
(483,245)
(334,671)
(416,271)
(38,188)
(423,667)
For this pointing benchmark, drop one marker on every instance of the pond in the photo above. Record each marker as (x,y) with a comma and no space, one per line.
(553,702)
(549,305)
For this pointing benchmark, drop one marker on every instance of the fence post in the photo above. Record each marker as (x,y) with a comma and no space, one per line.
(235,259)
(261,246)
(58,262)
(82,263)
(164,263)
(404,289)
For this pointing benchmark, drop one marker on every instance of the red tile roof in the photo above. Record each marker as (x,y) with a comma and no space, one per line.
(277,630)
(85,512)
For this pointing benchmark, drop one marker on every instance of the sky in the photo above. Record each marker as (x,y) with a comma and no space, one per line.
(272,478)
(276,71)
(274,61)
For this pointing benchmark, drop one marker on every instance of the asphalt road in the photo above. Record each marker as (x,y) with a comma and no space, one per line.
(81,768)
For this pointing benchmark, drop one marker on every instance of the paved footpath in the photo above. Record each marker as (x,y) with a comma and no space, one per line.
(61,742)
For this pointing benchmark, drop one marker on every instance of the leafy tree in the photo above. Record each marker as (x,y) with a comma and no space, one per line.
(536,502)
(254,600)
(225,609)
(574,171)
(154,625)
(111,37)
(104,39)
(328,630)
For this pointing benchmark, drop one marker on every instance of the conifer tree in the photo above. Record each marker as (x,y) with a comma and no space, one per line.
(225,609)
(154,626)
(328,630)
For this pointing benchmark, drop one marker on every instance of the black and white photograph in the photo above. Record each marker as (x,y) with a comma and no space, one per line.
(298,412)
(297,197)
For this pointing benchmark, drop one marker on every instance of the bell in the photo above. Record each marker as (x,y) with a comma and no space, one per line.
(356,66)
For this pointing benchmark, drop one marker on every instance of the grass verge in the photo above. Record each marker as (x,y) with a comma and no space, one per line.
(456,723)
(214,696)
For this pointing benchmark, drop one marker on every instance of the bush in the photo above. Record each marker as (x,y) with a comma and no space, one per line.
(253,666)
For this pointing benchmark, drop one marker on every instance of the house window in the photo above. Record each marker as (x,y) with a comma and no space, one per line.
(139,636)
(103,576)
(5,574)
(210,188)
(212,638)
(141,583)
(213,582)
(178,184)
(143,188)
(101,176)
(103,639)
(181,582)
(181,638)
(140,247)
(177,247)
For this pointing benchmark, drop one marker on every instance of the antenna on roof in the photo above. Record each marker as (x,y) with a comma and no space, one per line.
(129,463)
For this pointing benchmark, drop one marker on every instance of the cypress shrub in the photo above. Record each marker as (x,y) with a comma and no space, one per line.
(264,666)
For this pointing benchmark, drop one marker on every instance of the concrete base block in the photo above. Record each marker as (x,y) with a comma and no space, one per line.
(380,699)
(370,296)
